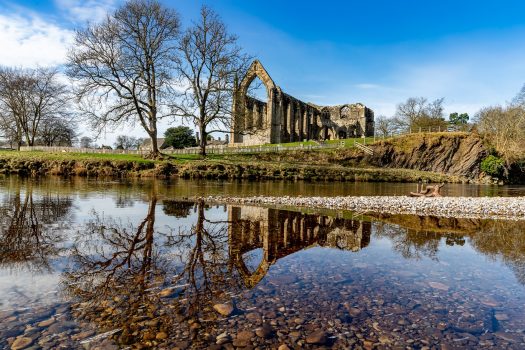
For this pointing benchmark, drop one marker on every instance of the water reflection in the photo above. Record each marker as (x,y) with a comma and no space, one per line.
(280,233)
(148,283)
(422,236)
(32,228)
(153,280)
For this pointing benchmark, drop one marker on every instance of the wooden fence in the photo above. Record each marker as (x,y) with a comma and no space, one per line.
(193,150)
(227,149)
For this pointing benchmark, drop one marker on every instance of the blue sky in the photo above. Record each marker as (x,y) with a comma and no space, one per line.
(333,52)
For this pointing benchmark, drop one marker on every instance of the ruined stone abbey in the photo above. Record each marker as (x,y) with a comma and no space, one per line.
(283,118)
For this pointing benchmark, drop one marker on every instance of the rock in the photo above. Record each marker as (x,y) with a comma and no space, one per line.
(82,335)
(167,292)
(295,334)
(266,331)
(283,347)
(222,335)
(384,339)
(223,309)
(21,343)
(243,338)
(254,317)
(181,345)
(353,311)
(151,323)
(61,327)
(501,316)
(245,335)
(368,344)
(490,302)
(161,336)
(46,323)
(438,285)
(510,337)
(222,339)
(317,337)
(441,326)
(147,335)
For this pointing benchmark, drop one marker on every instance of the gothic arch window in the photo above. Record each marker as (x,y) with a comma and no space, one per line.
(345,112)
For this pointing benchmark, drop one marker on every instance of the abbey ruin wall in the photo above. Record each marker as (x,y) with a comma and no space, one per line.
(284,118)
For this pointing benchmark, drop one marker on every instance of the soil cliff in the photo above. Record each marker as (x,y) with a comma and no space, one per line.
(457,154)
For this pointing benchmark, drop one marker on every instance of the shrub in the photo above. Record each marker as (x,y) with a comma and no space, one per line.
(493,165)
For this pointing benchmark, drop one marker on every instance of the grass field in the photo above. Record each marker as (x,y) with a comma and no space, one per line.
(346,142)
(137,158)
(73,156)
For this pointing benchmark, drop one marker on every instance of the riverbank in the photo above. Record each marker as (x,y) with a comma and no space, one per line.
(213,167)
(509,208)
(433,157)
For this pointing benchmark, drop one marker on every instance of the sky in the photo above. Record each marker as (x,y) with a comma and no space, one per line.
(378,53)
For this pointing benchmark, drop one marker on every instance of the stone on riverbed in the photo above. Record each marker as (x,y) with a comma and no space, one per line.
(317,337)
(21,343)
(224,309)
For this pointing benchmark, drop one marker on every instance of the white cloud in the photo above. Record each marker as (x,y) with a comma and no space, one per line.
(79,11)
(28,40)
(367,86)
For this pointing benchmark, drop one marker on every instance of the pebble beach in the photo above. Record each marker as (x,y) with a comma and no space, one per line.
(509,208)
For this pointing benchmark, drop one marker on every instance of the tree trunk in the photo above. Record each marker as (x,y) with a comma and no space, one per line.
(154,143)
(202,144)
(154,146)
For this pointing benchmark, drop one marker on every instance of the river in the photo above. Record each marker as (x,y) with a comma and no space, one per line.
(134,264)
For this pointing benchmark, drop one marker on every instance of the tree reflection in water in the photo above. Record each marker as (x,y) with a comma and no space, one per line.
(149,284)
(156,287)
(32,228)
(421,236)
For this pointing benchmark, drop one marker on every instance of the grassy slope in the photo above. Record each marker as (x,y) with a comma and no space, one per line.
(294,164)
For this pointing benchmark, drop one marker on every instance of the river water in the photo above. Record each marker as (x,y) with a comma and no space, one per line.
(102,265)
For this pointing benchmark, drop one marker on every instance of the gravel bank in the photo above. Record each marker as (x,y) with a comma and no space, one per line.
(512,208)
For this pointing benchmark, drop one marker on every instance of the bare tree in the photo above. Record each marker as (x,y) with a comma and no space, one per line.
(123,67)
(127,142)
(86,142)
(384,126)
(418,113)
(14,104)
(209,63)
(57,132)
(48,99)
(504,128)
(28,98)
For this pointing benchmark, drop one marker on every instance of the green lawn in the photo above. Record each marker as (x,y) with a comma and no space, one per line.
(73,156)
(347,142)
(178,158)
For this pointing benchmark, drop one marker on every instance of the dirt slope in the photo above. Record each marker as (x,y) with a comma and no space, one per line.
(457,154)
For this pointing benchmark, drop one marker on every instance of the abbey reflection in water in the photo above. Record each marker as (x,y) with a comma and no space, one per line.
(178,275)
(166,271)
(280,233)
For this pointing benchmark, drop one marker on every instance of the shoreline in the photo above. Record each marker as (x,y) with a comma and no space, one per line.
(495,208)
(38,164)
